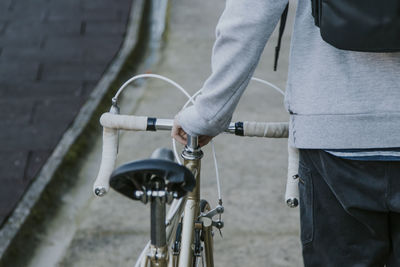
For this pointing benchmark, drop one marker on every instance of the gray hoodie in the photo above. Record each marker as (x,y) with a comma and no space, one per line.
(337,99)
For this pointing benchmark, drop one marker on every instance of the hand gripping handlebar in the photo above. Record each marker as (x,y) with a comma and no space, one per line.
(113,122)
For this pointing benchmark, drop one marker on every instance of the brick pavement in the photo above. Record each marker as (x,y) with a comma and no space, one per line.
(52,53)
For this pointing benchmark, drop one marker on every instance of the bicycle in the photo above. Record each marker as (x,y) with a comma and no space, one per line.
(183,237)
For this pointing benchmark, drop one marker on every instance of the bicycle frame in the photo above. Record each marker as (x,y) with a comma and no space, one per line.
(160,256)
(192,160)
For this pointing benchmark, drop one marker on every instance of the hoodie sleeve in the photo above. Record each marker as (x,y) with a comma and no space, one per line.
(241,35)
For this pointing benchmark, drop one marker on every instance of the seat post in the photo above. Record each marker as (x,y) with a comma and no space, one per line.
(158,253)
(158,230)
(158,203)
(158,250)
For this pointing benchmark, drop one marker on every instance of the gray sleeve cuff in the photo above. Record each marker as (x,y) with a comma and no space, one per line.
(194,124)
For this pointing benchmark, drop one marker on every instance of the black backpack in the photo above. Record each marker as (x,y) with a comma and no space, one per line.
(356,25)
(359,25)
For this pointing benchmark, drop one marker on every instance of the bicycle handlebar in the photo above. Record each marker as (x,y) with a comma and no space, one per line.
(123,122)
(108,158)
(141,123)
(263,129)
(114,122)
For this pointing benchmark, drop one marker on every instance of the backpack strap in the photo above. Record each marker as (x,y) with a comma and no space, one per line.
(281,30)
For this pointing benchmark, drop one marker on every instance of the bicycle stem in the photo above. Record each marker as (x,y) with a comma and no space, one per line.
(192,142)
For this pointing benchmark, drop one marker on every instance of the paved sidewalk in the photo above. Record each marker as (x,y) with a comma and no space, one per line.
(52,53)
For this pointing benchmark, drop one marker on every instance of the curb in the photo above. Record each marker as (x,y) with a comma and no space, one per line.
(25,207)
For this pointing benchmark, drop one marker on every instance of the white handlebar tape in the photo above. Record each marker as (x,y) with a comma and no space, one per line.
(264,129)
(123,122)
(292,189)
(108,158)
(111,123)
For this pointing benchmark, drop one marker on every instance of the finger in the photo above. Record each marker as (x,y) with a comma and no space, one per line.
(204,140)
(182,133)
(181,136)
(177,133)
(180,139)
(175,128)
(203,137)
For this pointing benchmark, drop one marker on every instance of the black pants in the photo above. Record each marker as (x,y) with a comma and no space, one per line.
(349,210)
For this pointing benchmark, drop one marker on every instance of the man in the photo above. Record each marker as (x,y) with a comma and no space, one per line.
(344,117)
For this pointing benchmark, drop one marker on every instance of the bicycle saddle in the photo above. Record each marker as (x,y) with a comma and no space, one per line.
(157,174)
